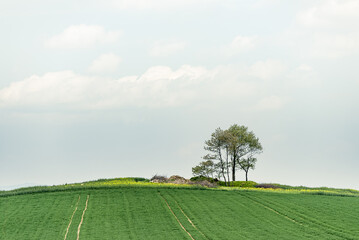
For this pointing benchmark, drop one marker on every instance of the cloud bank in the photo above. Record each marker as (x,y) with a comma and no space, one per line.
(159,86)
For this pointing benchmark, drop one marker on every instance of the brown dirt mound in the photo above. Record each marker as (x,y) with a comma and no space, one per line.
(159,179)
(178,180)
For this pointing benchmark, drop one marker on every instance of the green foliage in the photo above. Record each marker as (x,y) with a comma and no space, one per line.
(215,146)
(205,168)
(266,185)
(97,184)
(315,190)
(244,184)
(230,149)
(241,184)
(203,178)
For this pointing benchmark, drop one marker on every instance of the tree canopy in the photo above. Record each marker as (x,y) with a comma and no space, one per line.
(230,150)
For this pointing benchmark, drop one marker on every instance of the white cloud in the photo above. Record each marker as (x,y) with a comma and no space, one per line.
(159,86)
(58,87)
(82,36)
(240,44)
(105,63)
(266,69)
(164,49)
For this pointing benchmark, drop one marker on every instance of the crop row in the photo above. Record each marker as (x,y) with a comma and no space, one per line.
(177,213)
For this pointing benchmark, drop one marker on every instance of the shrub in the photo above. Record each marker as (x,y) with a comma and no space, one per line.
(203,178)
(159,178)
(244,184)
(203,183)
(266,185)
(139,179)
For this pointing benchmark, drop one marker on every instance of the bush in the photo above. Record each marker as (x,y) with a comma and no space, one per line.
(159,178)
(244,184)
(139,179)
(203,178)
(266,185)
(203,183)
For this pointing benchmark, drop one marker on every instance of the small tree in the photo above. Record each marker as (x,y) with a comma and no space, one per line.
(241,143)
(247,163)
(216,147)
(205,168)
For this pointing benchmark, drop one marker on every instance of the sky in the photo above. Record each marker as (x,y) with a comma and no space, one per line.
(123,88)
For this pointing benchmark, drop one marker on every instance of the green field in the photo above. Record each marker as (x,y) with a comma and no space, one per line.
(167,212)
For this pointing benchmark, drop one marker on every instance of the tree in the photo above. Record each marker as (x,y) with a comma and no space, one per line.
(216,147)
(241,143)
(247,163)
(205,168)
(233,149)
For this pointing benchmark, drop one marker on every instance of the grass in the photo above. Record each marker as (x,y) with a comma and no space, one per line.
(137,209)
(98,184)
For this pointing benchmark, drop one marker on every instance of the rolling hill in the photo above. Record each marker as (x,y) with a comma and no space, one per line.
(134,209)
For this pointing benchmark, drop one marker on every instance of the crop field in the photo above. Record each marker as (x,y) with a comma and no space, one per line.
(127,212)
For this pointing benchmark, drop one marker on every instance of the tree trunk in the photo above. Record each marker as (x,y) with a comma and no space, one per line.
(246,176)
(224,177)
(234,171)
(222,167)
(234,167)
(227,167)
(223,174)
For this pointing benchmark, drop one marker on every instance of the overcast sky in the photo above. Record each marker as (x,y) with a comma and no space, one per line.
(120,88)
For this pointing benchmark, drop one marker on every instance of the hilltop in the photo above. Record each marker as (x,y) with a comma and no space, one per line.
(134,208)
(144,182)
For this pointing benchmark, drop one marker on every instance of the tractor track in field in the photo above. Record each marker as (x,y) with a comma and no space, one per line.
(329,229)
(275,211)
(179,222)
(68,227)
(82,218)
(189,220)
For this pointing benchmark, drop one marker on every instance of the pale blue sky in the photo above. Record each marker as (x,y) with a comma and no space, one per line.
(101,89)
